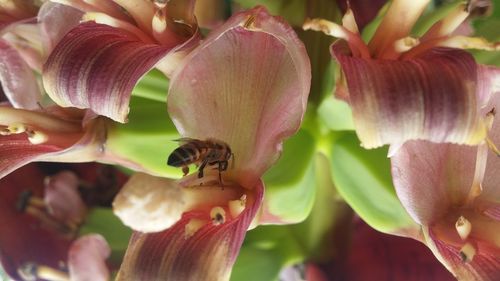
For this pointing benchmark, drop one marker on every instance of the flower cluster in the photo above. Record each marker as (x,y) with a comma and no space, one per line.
(243,93)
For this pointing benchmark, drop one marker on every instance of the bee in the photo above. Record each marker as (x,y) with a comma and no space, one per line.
(209,152)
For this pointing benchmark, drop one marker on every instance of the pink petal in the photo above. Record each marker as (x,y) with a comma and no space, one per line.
(246,84)
(17,78)
(55,21)
(206,255)
(96,66)
(87,258)
(430,178)
(431,97)
(485,265)
(63,199)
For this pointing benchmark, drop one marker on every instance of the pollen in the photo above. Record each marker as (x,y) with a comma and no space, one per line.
(32,271)
(13,129)
(36,137)
(463,227)
(192,226)
(236,207)
(218,215)
(467,252)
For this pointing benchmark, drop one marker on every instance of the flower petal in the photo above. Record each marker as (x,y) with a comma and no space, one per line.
(174,254)
(485,266)
(87,258)
(96,66)
(16,151)
(246,84)
(62,198)
(431,178)
(25,240)
(17,78)
(431,97)
(55,21)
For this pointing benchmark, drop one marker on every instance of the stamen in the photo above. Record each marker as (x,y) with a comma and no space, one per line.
(159,22)
(463,227)
(32,271)
(192,226)
(490,117)
(405,44)
(236,207)
(36,137)
(357,46)
(467,252)
(218,215)
(160,4)
(16,128)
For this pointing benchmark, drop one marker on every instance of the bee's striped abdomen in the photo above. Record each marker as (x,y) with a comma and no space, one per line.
(183,156)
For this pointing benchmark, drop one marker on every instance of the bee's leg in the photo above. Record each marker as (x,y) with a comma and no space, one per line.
(185,170)
(223,165)
(202,166)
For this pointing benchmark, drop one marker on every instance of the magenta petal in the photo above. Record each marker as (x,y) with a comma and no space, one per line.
(96,66)
(17,78)
(206,255)
(16,151)
(431,97)
(87,258)
(246,84)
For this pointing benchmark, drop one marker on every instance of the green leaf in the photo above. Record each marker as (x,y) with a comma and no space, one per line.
(363,178)
(148,137)
(104,222)
(488,28)
(431,17)
(316,232)
(265,251)
(336,114)
(290,183)
(153,86)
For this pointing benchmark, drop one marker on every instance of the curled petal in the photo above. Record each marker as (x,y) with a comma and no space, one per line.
(431,97)
(87,258)
(17,78)
(246,84)
(96,66)
(180,254)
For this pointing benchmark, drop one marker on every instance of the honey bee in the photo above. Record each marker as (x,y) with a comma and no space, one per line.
(201,153)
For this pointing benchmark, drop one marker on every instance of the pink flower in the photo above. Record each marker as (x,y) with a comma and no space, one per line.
(403,88)
(247,85)
(452,192)
(98,62)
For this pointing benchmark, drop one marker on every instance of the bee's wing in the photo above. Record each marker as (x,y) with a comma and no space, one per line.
(186,140)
